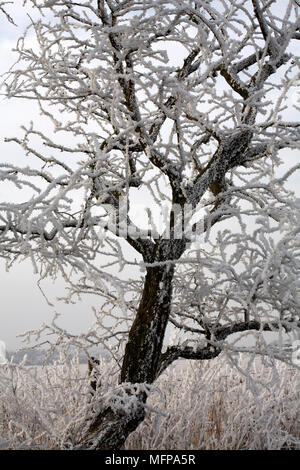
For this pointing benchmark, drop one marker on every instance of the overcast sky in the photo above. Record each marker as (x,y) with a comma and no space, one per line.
(22,304)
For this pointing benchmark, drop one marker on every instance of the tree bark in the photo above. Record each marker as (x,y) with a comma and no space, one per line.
(146,336)
(110,429)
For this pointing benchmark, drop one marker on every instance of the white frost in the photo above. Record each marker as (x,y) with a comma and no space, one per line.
(3,359)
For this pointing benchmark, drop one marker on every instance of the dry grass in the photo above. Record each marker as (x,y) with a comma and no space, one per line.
(212,406)
(206,405)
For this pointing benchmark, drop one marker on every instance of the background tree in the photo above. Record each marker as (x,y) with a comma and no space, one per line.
(187,104)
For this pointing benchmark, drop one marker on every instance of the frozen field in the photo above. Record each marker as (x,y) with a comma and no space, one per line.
(207,405)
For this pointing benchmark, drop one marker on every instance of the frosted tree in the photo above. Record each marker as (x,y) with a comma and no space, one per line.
(191,105)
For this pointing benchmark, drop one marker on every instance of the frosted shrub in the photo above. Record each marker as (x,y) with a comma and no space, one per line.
(41,406)
(207,405)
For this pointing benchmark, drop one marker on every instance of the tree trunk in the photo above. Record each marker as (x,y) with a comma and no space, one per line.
(111,427)
(146,336)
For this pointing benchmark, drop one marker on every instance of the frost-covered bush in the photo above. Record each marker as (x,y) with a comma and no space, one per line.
(211,405)
(206,405)
(40,406)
